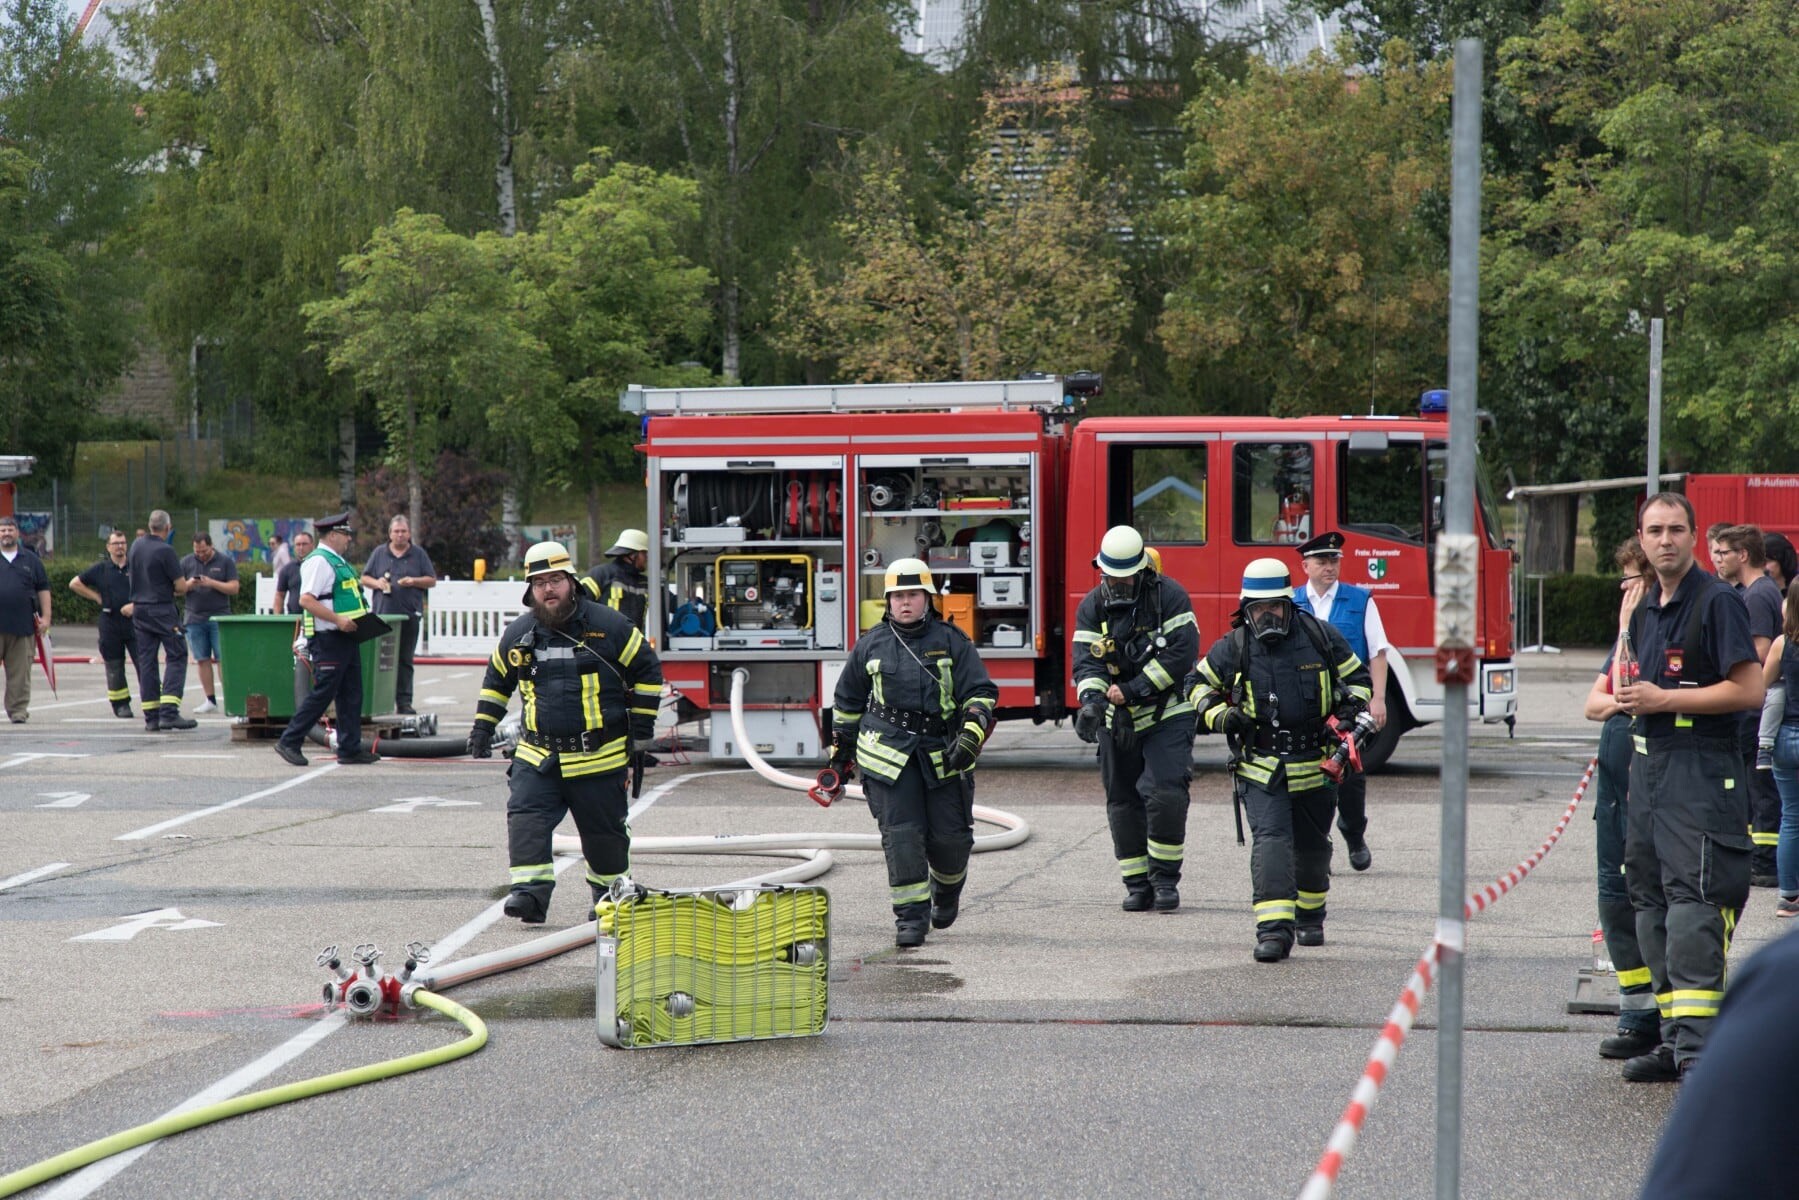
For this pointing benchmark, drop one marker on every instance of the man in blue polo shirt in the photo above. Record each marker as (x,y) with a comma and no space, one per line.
(1687,848)
(1351,610)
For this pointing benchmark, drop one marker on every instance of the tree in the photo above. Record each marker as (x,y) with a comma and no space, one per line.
(605,286)
(425,327)
(70,186)
(1022,275)
(1670,196)
(1312,236)
(457,509)
(756,100)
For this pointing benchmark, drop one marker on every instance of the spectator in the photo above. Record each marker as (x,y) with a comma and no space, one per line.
(24,614)
(399,573)
(279,555)
(1783,562)
(212,581)
(1738,555)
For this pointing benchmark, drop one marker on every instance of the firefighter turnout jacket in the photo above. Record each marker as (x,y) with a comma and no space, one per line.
(903,694)
(587,690)
(1289,689)
(619,585)
(1147,648)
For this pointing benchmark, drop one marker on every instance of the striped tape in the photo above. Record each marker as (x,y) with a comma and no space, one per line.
(1399,1021)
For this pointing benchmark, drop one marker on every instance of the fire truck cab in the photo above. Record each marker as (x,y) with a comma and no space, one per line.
(777,509)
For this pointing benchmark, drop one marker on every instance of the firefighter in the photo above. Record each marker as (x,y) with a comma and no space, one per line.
(589,685)
(1271,684)
(619,582)
(1135,639)
(913,708)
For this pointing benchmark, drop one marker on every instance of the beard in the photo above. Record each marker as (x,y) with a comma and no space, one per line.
(554,614)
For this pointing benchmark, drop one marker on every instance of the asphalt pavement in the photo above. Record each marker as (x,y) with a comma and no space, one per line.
(162,898)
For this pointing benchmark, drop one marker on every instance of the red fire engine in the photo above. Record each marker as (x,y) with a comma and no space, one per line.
(12,466)
(778,508)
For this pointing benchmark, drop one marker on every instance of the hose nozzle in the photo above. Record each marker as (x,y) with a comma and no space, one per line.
(827,787)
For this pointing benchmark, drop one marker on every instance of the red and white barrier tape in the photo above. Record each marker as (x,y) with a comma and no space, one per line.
(1399,1021)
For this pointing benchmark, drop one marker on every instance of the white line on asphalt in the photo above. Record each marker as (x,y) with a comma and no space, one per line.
(69,704)
(151,830)
(196,756)
(28,876)
(89,1180)
(25,756)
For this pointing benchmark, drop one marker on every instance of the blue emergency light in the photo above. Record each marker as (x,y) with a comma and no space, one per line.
(1434,401)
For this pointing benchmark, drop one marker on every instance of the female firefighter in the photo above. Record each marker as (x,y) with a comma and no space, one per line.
(913,707)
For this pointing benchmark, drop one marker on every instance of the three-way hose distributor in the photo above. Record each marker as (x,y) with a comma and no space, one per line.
(365,990)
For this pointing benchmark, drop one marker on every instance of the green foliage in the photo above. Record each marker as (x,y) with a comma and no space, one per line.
(67,608)
(1021,276)
(71,158)
(1580,610)
(1312,233)
(457,523)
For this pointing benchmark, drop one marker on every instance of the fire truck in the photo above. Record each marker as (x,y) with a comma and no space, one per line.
(1769,502)
(776,510)
(12,466)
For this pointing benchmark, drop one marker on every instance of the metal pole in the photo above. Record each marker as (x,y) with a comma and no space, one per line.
(1654,483)
(1458,525)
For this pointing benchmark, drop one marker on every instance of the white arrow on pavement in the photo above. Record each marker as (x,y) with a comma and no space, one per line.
(162,918)
(414,803)
(65,799)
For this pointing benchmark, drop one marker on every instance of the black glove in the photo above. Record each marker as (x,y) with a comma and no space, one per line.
(1349,708)
(843,747)
(1089,721)
(963,751)
(480,741)
(1236,723)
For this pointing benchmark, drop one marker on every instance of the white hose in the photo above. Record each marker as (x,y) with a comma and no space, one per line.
(812,849)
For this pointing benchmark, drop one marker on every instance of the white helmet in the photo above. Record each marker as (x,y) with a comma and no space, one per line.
(1267,597)
(630,541)
(1122,561)
(904,574)
(547,558)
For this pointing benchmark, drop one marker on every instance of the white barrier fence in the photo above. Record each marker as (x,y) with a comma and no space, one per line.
(463,619)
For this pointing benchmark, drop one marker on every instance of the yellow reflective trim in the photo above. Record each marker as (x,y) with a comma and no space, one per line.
(1180,619)
(648,689)
(910,893)
(1167,851)
(1769,838)
(1311,900)
(632,646)
(1083,636)
(1090,684)
(527,699)
(1635,977)
(1157,674)
(534,873)
(1275,910)
(499,698)
(1133,866)
(948,880)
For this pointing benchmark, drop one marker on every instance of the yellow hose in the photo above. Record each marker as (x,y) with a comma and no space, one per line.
(128,1139)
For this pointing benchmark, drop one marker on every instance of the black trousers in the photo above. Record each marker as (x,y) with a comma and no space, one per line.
(1637,1010)
(1352,807)
(336,678)
(537,801)
(118,641)
(1146,798)
(408,637)
(155,627)
(927,832)
(1686,859)
(1290,857)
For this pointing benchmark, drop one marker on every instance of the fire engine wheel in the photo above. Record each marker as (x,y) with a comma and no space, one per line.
(1379,748)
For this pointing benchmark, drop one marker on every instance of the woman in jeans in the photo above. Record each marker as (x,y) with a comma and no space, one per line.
(1783,664)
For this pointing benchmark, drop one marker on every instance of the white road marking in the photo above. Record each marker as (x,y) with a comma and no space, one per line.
(197,756)
(65,799)
(414,803)
(91,1179)
(28,876)
(152,830)
(161,918)
(28,756)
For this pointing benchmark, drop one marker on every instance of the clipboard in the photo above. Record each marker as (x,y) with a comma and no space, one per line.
(368,627)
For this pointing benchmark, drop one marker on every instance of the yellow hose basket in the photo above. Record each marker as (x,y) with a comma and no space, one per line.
(685,968)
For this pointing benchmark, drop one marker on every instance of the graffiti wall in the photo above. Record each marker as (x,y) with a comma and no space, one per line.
(246,539)
(530,535)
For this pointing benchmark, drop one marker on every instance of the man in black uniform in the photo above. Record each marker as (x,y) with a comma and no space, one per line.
(913,708)
(1271,684)
(1135,639)
(620,583)
(107,584)
(1687,849)
(589,684)
(156,580)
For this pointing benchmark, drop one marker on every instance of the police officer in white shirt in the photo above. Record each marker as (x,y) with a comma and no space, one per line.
(1353,612)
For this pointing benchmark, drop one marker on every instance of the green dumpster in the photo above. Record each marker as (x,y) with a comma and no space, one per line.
(256,666)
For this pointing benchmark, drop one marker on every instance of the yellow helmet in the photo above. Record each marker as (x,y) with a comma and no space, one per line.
(1155,558)
(907,573)
(546,558)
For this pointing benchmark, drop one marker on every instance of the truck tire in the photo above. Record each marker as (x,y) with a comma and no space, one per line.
(1379,748)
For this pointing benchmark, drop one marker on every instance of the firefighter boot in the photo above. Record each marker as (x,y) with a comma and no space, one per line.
(946,903)
(1162,882)
(1309,935)
(1137,893)
(121,708)
(526,907)
(1272,945)
(909,923)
